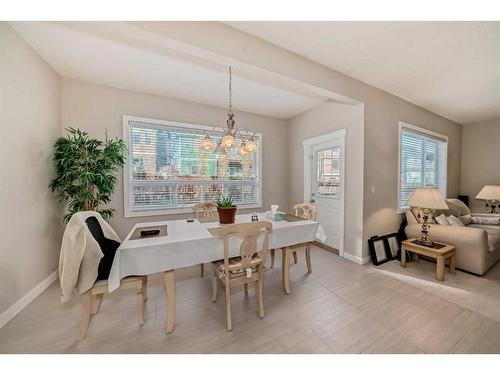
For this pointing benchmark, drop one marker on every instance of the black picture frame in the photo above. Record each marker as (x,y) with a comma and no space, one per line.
(393,245)
(384,248)
(378,252)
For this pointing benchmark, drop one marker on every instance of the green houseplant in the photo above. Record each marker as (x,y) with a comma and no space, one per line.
(86,171)
(226,209)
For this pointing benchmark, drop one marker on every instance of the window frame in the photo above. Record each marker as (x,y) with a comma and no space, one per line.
(160,124)
(444,153)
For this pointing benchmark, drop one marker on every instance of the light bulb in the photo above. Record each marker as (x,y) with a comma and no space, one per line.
(228,141)
(206,143)
(250,145)
(242,150)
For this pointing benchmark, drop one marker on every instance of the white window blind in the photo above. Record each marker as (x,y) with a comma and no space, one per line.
(168,172)
(423,163)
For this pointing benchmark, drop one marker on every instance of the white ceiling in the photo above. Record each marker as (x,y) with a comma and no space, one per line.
(450,68)
(79,51)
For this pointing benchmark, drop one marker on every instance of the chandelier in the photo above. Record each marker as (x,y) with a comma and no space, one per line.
(228,140)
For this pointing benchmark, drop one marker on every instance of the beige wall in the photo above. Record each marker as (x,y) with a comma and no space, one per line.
(382,115)
(480,160)
(30,123)
(94,108)
(325,119)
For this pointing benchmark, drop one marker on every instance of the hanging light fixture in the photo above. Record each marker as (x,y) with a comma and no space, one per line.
(206,143)
(229,141)
(242,150)
(250,145)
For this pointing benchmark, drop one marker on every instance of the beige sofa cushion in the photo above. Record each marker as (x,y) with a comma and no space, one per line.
(493,232)
(455,207)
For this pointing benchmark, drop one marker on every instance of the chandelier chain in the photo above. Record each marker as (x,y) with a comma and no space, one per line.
(230,90)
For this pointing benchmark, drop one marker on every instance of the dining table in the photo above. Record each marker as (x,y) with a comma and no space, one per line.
(183,243)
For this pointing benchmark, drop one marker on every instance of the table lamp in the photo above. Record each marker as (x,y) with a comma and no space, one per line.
(428,200)
(491,194)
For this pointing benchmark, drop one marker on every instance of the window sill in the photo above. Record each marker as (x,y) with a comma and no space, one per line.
(176,211)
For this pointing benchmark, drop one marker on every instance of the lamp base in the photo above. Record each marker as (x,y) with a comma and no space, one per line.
(424,239)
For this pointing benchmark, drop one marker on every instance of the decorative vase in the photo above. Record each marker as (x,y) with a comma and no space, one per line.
(227,215)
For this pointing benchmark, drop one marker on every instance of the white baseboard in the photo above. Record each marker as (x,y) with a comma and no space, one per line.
(355,259)
(17,307)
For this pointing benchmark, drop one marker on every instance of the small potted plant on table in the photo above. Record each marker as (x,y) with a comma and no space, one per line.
(226,210)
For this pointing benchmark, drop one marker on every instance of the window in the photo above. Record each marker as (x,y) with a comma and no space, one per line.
(423,158)
(328,175)
(166,172)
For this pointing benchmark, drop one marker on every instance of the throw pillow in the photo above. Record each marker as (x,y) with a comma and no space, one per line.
(442,220)
(453,220)
(487,220)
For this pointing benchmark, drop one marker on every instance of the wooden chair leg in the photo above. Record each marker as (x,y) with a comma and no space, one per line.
(96,303)
(246,289)
(86,300)
(308,258)
(228,306)
(202,270)
(295,257)
(145,288)
(140,306)
(214,288)
(260,301)
(272,258)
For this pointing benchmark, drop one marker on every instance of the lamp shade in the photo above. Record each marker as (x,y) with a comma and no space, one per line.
(489,192)
(427,198)
(228,141)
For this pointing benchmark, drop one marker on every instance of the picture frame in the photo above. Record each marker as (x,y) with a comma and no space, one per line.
(394,245)
(384,248)
(378,252)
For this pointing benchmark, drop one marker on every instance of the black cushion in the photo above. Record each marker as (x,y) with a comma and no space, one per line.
(108,247)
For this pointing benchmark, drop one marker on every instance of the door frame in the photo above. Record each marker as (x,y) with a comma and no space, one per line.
(339,136)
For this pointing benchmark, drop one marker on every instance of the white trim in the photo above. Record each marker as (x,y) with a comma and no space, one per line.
(444,138)
(159,123)
(338,135)
(356,259)
(24,301)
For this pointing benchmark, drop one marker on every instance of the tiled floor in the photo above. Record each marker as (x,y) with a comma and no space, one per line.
(341,307)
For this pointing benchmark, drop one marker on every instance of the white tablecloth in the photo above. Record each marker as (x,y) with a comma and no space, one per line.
(188,244)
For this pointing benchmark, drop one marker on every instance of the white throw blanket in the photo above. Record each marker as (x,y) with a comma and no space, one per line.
(80,254)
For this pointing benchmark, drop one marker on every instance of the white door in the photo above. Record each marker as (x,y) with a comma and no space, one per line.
(326,165)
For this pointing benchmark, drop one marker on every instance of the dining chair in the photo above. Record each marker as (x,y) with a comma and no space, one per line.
(91,300)
(308,212)
(205,210)
(247,268)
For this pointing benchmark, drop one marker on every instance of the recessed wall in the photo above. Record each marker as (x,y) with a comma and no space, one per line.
(94,108)
(324,119)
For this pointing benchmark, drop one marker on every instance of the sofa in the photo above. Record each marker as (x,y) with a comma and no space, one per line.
(477,245)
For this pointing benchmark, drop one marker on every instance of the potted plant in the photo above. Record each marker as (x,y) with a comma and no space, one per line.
(226,210)
(86,171)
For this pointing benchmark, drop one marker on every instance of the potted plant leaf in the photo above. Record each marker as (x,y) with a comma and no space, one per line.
(86,171)
(226,210)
